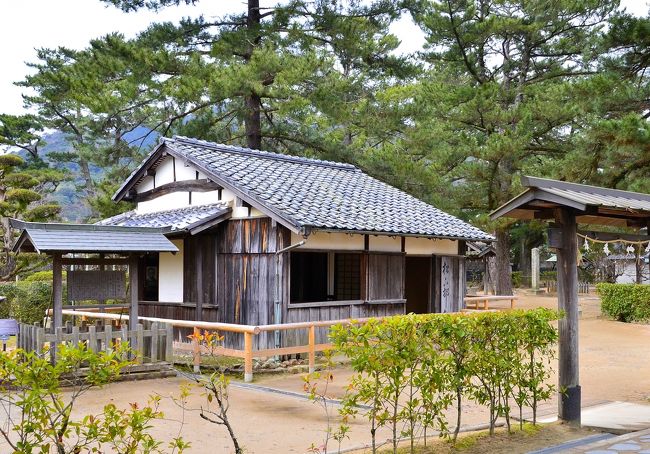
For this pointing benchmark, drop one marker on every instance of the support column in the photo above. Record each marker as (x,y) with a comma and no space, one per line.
(534,269)
(134,292)
(57,291)
(567,293)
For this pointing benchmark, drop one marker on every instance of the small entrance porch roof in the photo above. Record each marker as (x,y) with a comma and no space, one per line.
(593,205)
(89,238)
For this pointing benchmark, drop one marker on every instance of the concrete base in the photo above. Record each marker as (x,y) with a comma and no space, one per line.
(613,417)
(617,417)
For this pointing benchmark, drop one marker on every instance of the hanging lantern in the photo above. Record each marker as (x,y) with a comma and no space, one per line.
(606,249)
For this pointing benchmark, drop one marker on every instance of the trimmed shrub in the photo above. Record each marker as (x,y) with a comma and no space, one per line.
(410,369)
(517,279)
(625,302)
(42,276)
(26,301)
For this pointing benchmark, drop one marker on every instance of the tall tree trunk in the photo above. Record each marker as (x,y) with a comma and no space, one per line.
(9,267)
(253,101)
(504,270)
(253,121)
(91,191)
(639,265)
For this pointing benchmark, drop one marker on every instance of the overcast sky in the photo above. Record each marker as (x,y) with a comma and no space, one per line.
(29,24)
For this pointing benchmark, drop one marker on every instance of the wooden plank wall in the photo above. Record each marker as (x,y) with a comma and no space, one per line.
(246,264)
(299,337)
(199,269)
(386,276)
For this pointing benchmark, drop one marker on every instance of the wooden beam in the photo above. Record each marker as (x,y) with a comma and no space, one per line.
(91,261)
(57,291)
(567,293)
(133,292)
(203,185)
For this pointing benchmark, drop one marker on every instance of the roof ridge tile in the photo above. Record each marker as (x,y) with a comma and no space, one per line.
(262,153)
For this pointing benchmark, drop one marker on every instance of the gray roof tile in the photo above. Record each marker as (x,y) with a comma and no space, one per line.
(316,194)
(170,220)
(52,237)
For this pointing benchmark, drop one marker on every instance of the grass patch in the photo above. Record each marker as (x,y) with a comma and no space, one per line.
(518,441)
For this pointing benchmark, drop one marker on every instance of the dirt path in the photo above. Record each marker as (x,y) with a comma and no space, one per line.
(614,366)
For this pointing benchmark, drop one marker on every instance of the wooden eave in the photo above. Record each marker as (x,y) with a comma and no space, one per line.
(536,203)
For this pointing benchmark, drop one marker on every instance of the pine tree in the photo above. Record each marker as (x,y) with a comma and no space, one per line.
(506,84)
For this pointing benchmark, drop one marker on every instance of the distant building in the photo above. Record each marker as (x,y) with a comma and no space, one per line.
(625,268)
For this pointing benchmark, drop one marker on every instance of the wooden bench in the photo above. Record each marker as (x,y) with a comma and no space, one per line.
(476,300)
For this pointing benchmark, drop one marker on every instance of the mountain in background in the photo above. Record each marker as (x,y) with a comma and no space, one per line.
(74,208)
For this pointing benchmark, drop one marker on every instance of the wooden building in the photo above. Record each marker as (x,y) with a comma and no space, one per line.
(269,238)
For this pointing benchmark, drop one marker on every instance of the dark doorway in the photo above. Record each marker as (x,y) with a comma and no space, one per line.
(418,277)
(149,277)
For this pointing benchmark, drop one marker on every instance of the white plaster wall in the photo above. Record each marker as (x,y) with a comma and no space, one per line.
(165,202)
(378,243)
(205,198)
(240,212)
(426,246)
(385,243)
(170,275)
(165,172)
(184,172)
(145,185)
(226,195)
(323,240)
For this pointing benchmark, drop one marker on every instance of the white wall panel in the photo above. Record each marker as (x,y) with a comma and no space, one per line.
(170,275)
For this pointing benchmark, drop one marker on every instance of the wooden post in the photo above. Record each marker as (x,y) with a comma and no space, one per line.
(57,291)
(108,337)
(567,295)
(312,349)
(154,342)
(196,350)
(248,357)
(139,334)
(134,293)
(75,336)
(169,343)
(92,338)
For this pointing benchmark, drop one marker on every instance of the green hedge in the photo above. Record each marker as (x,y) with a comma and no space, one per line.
(409,370)
(625,302)
(25,301)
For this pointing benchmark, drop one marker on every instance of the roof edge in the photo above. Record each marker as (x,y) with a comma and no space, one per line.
(137,173)
(542,183)
(23,225)
(490,238)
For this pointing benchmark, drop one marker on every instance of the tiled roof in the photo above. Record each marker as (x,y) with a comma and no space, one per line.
(170,220)
(311,194)
(53,237)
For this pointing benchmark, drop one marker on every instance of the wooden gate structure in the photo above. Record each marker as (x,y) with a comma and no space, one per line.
(566,205)
(99,259)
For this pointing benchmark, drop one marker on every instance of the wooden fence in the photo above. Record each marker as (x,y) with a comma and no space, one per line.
(152,342)
(248,331)
(551,287)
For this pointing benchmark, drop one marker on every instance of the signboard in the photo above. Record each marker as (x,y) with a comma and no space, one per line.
(96,285)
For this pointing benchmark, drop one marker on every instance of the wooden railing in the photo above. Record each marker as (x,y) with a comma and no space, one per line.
(248,331)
